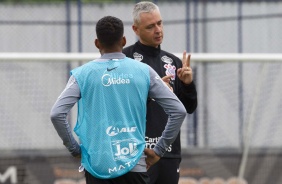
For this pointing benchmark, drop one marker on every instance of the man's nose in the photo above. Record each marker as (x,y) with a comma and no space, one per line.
(158,28)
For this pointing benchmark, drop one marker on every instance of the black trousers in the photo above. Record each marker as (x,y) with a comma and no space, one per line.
(165,171)
(128,178)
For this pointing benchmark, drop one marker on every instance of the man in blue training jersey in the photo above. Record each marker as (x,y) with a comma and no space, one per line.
(112,93)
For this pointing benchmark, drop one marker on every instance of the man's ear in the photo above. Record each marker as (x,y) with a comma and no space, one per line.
(135,29)
(97,43)
(123,41)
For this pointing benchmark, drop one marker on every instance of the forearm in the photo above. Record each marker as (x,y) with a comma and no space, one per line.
(59,112)
(176,117)
(188,96)
(64,131)
(173,108)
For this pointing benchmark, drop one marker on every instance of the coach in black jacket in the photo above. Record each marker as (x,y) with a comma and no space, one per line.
(178,75)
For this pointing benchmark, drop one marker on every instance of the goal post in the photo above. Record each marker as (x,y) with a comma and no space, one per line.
(197,57)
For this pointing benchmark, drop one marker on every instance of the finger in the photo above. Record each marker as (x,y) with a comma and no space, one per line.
(188,60)
(184,59)
(179,71)
(167,78)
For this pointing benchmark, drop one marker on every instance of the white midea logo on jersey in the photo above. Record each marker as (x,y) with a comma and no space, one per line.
(112,131)
(116,79)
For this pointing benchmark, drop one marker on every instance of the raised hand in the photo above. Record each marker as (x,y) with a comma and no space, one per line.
(185,74)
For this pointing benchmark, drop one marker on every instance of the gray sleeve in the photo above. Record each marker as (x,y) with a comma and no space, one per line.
(172,106)
(59,112)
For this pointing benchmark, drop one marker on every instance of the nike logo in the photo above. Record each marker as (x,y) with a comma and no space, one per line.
(110,69)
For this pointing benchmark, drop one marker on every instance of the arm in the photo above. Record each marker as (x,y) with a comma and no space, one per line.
(188,93)
(173,108)
(188,96)
(59,112)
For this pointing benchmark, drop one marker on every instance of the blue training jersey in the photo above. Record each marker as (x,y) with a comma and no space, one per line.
(111,118)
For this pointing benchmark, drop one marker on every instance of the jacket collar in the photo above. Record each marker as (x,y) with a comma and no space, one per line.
(152,51)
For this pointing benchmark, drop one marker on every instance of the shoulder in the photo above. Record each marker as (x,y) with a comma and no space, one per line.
(135,63)
(82,68)
(127,50)
(129,47)
(169,54)
(137,66)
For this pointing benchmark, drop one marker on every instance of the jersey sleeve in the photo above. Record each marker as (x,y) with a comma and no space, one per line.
(59,111)
(172,106)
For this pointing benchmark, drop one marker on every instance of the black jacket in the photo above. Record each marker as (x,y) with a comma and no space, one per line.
(163,63)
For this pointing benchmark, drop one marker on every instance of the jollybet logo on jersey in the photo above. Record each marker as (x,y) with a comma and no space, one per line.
(109,79)
(124,149)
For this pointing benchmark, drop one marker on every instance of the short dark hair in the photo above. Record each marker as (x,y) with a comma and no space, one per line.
(109,30)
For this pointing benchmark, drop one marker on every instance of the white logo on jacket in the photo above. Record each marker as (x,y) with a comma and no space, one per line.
(137,56)
(166,59)
(151,143)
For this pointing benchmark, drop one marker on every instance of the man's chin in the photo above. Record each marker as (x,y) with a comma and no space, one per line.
(158,41)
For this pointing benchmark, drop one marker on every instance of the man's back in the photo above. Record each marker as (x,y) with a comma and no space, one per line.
(112,111)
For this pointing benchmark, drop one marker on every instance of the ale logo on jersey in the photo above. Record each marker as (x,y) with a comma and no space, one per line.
(124,149)
(113,131)
(137,56)
(109,79)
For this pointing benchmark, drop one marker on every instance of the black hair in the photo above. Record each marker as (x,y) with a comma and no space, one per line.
(109,30)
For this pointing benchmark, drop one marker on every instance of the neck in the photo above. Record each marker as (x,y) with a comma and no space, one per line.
(144,43)
(106,51)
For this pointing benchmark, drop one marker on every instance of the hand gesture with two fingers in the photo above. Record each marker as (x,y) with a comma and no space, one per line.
(185,74)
